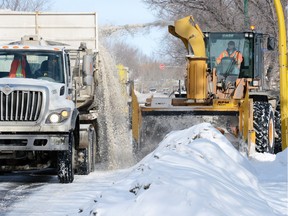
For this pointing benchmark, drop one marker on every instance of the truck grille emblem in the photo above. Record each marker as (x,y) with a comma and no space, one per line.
(6,89)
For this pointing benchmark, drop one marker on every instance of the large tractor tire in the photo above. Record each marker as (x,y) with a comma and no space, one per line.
(278,138)
(66,162)
(263,118)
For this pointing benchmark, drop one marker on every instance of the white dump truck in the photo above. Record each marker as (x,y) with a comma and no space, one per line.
(48,67)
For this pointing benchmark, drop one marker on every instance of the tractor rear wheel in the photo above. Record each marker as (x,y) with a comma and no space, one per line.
(278,138)
(263,122)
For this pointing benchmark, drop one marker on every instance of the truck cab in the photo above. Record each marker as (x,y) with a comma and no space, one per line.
(248,45)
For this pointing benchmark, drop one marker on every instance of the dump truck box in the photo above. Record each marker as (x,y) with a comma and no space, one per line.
(69,28)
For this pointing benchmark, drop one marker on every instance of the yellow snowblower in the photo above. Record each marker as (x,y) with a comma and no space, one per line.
(224,85)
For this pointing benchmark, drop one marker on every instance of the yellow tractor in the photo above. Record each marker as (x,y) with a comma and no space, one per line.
(224,85)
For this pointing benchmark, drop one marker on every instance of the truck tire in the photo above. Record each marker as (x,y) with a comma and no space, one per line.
(278,138)
(263,122)
(66,162)
(93,151)
(83,163)
(88,158)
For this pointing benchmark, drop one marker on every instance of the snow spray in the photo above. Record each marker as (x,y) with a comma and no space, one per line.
(116,150)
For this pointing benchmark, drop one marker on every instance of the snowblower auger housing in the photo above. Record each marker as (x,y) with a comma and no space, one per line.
(225,90)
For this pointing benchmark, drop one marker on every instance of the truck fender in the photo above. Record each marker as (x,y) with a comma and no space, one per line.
(74,119)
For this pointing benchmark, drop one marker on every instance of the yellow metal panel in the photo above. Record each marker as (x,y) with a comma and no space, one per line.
(190,108)
(123,74)
(136,117)
(225,103)
(283,73)
(197,81)
(246,123)
(123,79)
(251,131)
(244,114)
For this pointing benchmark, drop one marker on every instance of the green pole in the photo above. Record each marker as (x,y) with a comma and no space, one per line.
(246,19)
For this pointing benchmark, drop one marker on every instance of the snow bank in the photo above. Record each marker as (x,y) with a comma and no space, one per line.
(193,172)
(271,167)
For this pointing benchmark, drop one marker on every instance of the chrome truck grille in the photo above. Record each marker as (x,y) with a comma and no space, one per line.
(20,105)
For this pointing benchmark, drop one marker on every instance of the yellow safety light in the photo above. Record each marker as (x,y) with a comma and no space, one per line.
(252,27)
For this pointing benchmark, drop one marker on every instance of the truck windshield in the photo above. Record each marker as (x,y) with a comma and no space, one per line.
(32,64)
(230,53)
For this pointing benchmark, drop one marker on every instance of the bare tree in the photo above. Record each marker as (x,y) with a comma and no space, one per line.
(127,55)
(219,15)
(143,68)
(25,5)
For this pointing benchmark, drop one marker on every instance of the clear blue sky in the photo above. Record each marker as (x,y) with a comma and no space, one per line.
(118,12)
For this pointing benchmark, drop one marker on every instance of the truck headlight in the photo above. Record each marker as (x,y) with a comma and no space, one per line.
(54,118)
(58,116)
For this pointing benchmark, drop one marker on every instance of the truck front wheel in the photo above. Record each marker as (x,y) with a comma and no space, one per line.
(65,162)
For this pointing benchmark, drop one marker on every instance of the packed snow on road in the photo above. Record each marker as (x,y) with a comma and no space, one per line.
(195,171)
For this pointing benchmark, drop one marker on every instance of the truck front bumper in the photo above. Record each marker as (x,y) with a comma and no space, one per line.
(34,142)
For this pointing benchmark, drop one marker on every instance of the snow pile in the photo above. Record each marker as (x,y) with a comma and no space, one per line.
(267,164)
(195,171)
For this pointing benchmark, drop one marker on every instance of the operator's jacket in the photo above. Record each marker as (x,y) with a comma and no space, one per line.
(236,55)
(20,68)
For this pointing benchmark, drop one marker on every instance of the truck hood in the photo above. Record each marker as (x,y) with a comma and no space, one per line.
(52,90)
(28,82)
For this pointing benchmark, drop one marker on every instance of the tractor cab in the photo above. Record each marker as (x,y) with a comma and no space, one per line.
(235,55)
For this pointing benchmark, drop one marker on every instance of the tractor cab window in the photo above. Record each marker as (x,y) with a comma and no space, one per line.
(32,64)
(230,53)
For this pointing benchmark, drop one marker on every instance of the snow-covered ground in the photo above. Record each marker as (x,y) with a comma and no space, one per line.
(195,171)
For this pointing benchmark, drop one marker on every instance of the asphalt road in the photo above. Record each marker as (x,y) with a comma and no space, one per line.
(16,186)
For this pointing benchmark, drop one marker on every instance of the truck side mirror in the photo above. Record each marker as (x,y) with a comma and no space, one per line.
(271,43)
